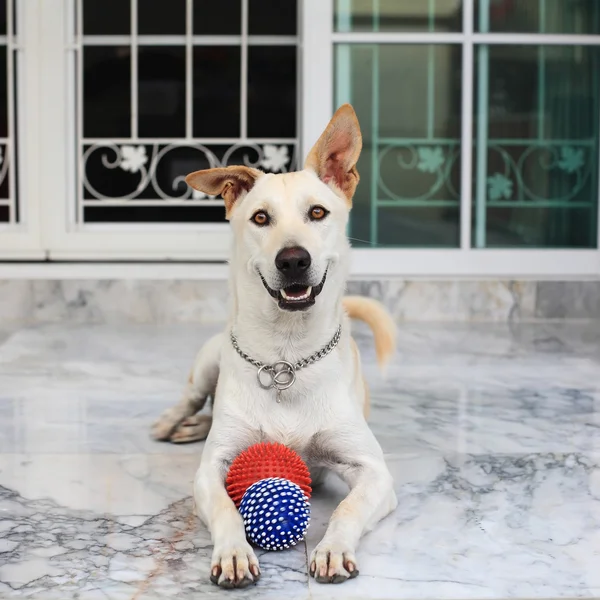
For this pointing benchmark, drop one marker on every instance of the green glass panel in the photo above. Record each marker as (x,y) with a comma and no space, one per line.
(408,101)
(539,16)
(536,146)
(398,15)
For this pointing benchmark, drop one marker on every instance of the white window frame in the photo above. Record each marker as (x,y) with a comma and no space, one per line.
(23,239)
(318,100)
(65,238)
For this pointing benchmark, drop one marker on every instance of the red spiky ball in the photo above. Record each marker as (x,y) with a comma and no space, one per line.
(264,460)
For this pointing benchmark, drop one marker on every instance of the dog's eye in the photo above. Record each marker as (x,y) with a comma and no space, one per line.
(261,218)
(317,213)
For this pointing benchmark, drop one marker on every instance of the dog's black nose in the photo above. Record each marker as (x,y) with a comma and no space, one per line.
(293,262)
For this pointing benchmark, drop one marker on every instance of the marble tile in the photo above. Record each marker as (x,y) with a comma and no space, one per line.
(113,301)
(452,300)
(568,300)
(5,332)
(56,553)
(492,433)
(480,526)
(186,301)
(16,301)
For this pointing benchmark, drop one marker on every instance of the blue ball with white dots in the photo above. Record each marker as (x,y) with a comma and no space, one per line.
(276,513)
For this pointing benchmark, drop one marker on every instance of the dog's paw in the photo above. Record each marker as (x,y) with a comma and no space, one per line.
(166,425)
(333,563)
(234,567)
(192,429)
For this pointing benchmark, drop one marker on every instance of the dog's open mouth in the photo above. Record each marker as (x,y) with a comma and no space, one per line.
(296,296)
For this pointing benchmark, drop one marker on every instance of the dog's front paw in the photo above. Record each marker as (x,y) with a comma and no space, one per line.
(333,563)
(192,429)
(167,424)
(234,566)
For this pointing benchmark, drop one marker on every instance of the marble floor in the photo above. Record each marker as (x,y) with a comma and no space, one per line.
(492,433)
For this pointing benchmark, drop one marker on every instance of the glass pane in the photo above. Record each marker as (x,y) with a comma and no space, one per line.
(216,91)
(272,91)
(2,17)
(272,17)
(4,214)
(3,94)
(4,172)
(106,91)
(408,101)
(539,16)
(398,15)
(218,18)
(156,171)
(161,91)
(106,17)
(154,214)
(157,17)
(146,174)
(536,153)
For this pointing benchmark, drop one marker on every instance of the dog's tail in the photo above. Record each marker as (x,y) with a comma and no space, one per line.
(379,320)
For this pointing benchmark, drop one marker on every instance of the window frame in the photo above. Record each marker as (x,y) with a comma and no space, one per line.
(66,237)
(48,162)
(22,238)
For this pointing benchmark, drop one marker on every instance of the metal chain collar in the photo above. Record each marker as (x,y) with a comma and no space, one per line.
(281,375)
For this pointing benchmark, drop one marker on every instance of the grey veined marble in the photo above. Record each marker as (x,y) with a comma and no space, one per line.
(163,302)
(492,433)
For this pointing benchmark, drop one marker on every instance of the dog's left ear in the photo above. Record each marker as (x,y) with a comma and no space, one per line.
(333,158)
(229,182)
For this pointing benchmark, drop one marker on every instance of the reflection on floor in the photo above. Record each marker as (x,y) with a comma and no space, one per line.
(492,434)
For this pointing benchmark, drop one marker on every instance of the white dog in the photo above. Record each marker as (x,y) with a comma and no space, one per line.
(287,369)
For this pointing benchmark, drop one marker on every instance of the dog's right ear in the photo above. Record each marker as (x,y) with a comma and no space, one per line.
(229,182)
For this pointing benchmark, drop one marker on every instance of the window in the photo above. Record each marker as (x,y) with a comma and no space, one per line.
(536,146)
(163,92)
(9,198)
(480,121)
(531,179)
(410,165)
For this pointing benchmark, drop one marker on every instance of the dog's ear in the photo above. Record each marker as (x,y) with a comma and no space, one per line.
(333,158)
(229,182)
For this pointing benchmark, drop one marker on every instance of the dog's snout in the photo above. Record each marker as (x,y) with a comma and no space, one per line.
(293,262)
